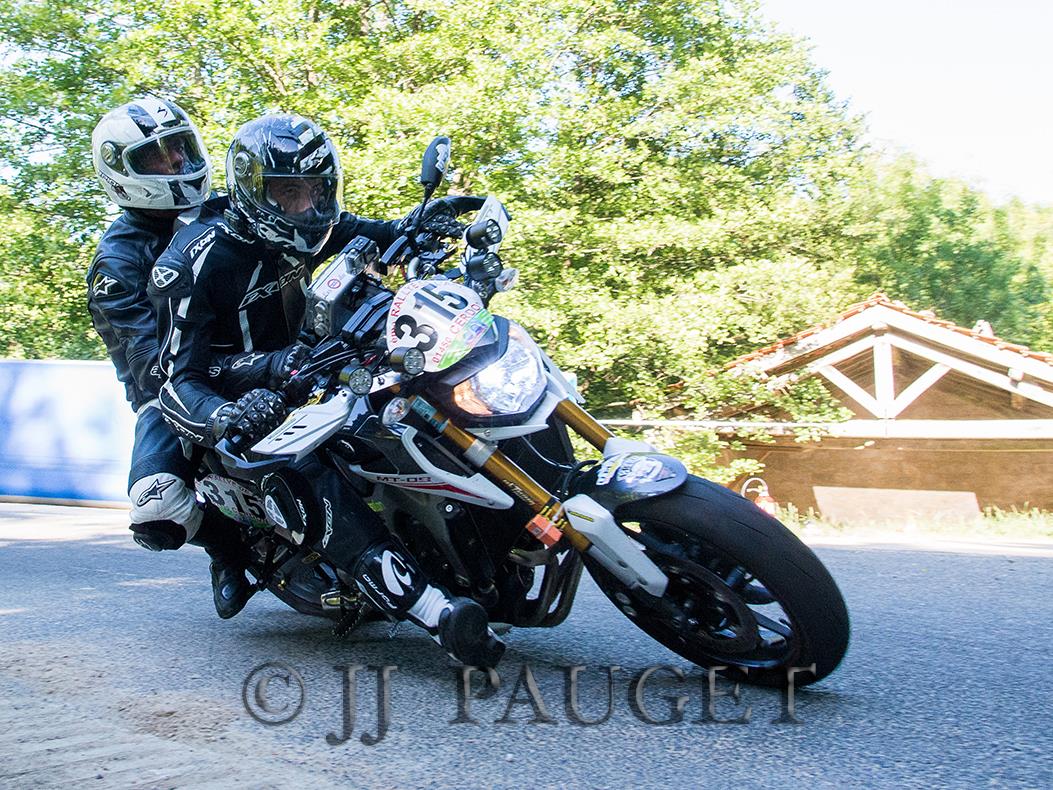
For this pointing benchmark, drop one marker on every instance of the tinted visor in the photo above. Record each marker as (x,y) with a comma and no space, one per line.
(306,201)
(174,154)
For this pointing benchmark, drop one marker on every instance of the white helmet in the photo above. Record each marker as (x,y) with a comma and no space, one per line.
(148,155)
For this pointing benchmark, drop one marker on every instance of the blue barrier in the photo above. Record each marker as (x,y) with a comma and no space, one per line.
(66,431)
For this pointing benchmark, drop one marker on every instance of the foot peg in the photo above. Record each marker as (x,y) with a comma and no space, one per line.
(339,599)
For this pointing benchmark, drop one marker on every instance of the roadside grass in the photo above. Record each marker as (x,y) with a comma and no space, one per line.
(993,524)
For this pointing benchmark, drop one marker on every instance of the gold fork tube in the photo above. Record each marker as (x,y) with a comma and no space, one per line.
(522,485)
(583,423)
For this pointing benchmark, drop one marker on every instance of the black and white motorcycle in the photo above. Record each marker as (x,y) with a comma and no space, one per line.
(453,424)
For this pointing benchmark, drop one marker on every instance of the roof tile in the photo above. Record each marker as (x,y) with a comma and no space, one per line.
(881,299)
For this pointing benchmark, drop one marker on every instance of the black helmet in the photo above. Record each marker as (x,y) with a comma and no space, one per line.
(283,176)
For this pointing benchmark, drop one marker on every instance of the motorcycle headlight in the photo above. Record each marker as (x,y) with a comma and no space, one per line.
(510,385)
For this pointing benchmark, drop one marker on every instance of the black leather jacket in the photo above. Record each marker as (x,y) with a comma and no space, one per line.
(126,319)
(219,292)
(117,300)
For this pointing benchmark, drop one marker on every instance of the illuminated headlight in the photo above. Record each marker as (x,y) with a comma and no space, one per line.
(510,385)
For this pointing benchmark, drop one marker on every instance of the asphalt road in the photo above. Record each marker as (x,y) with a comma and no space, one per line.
(115,672)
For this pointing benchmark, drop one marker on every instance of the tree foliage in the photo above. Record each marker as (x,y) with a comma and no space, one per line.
(940,245)
(684,185)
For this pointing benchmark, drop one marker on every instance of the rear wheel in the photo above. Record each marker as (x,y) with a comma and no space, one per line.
(743,593)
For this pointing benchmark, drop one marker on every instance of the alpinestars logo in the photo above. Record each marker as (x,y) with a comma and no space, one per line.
(328,522)
(393,574)
(182,430)
(247,361)
(163,276)
(103,285)
(155,492)
(271,288)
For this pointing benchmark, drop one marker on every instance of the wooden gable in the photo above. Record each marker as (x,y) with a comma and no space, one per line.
(889,363)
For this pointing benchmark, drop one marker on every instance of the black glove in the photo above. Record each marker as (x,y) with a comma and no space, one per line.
(282,364)
(440,216)
(254,414)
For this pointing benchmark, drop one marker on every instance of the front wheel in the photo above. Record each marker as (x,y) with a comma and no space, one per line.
(744,593)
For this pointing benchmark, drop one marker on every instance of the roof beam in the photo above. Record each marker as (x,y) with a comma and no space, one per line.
(994,378)
(884,376)
(824,337)
(865,320)
(842,354)
(962,343)
(852,390)
(917,387)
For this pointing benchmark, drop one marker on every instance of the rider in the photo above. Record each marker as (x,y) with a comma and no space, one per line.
(151,161)
(238,285)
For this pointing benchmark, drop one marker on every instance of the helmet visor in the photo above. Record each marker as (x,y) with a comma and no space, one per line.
(308,202)
(175,154)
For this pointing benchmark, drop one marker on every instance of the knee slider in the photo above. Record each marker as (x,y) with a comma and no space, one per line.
(158,535)
(164,497)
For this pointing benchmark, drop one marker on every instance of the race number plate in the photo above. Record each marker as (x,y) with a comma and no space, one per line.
(443,319)
(234,500)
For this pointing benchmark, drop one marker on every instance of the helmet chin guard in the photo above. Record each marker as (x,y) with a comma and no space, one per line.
(283,175)
(148,154)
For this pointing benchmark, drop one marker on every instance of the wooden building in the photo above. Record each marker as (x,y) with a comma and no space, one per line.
(947,420)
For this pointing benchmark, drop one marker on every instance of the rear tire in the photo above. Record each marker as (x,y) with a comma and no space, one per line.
(706,531)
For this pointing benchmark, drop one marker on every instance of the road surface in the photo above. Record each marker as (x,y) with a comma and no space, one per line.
(115,672)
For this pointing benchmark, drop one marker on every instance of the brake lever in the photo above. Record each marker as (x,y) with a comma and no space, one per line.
(392,254)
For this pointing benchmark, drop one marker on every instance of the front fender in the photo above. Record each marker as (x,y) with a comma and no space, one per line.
(628,477)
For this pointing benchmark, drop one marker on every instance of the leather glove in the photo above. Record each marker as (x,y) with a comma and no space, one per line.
(253,415)
(440,216)
(282,364)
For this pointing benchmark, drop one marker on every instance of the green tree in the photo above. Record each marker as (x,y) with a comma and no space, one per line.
(684,185)
(940,245)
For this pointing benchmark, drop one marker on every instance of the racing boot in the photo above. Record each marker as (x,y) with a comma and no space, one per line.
(395,584)
(220,537)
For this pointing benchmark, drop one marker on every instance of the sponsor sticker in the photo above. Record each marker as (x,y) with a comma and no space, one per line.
(643,469)
(607,469)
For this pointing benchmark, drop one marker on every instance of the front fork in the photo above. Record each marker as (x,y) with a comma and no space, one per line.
(501,468)
(550,522)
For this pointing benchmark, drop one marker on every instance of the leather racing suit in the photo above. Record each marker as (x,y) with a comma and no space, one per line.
(219,291)
(164,510)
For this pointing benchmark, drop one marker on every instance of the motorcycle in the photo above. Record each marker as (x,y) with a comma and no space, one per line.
(452,423)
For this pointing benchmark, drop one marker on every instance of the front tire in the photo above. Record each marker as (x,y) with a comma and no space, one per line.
(748,595)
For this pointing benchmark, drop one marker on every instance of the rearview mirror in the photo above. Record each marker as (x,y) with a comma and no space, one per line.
(436,161)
